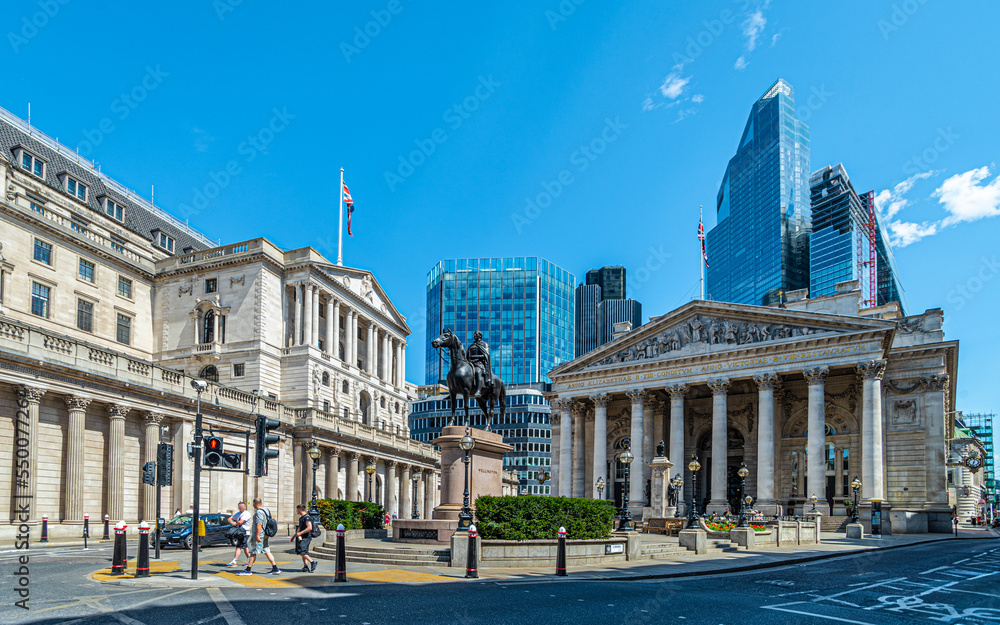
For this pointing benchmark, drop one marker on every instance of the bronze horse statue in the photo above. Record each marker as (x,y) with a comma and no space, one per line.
(462,381)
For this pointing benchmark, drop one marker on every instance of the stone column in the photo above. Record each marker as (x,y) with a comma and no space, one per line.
(352,476)
(75,466)
(350,338)
(578,410)
(934,405)
(387,358)
(648,409)
(217,337)
(116,461)
(765,438)
(298,470)
(391,492)
(405,492)
(816,441)
(555,424)
(838,472)
(151,439)
(636,471)
(402,364)
(370,349)
(601,446)
(871,429)
(427,489)
(565,448)
(720,442)
(307,317)
(331,337)
(288,314)
(332,473)
(314,339)
(677,392)
(398,379)
(334,337)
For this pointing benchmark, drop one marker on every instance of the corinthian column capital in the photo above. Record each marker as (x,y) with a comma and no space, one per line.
(118,411)
(30,393)
(816,375)
(720,386)
(74,402)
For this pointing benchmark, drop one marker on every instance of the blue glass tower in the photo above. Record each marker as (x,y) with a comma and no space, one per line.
(523,306)
(759,246)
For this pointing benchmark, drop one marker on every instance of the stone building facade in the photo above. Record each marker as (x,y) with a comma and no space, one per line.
(808,395)
(109,307)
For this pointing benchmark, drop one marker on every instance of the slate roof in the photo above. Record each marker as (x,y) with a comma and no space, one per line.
(141,217)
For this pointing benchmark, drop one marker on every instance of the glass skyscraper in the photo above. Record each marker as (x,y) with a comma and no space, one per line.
(524,306)
(759,246)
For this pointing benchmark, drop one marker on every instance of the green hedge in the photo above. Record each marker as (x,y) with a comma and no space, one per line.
(354,515)
(534,518)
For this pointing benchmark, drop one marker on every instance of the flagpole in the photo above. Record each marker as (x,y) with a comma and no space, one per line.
(701,254)
(340,221)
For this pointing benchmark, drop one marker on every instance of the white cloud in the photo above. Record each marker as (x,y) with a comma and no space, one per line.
(697,98)
(202,139)
(741,63)
(674,84)
(889,202)
(753,26)
(647,104)
(966,199)
(903,233)
(775,38)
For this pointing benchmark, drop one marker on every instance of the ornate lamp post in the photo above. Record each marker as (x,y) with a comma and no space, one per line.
(314,453)
(600,487)
(415,478)
(855,486)
(814,499)
(743,473)
(694,466)
(542,477)
(625,523)
(465,516)
(370,470)
(677,483)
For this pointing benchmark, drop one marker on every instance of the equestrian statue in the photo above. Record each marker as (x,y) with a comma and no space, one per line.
(470,374)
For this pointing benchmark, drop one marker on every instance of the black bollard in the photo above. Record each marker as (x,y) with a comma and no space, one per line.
(107,519)
(86,530)
(471,569)
(956,526)
(561,553)
(116,559)
(341,555)
(124,546)
(45,529)
(142,565)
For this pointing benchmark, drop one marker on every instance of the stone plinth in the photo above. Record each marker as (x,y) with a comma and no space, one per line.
(694,540)
(743,536)
(425,531)
(659,488)
(855,530)
(485,468)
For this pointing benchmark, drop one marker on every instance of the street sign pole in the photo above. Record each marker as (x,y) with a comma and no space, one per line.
(195,538)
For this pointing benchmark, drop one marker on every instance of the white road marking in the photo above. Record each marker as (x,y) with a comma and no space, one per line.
(226,609)
(781,608)
(128,620)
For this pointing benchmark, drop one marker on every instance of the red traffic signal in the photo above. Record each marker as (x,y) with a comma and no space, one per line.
(213,451)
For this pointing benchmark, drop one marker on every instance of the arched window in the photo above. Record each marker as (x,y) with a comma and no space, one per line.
(208,327)
(345,388)
(381,402)
(326,379)
(209,373)
(397,407)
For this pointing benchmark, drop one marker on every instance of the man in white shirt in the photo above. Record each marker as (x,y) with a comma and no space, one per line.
(242,517)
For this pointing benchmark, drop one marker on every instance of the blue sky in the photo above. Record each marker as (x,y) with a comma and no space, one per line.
(448,119)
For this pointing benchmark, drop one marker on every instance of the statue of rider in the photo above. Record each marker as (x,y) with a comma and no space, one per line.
(479,355)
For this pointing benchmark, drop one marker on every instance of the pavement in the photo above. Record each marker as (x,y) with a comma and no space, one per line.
(174,570)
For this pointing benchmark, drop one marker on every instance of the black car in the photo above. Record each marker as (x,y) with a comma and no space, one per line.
(177,531)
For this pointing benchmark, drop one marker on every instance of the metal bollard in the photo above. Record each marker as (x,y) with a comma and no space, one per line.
(956,526)
(45,529)
(124,546)
(561,553)
(341,555)
(471,570)
(117,563)
(142,565)
(86,530)
(107,520)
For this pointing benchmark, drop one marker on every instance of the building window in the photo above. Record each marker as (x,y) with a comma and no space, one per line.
(397,407)
(114,209)
(326,406)
(381,402)
(123,333)
(76,226)
(35,207)
(40,300)
(347,414)
(326,379)
(208,327)
(124,287)
(84,315)
(77,188)
(211,285)
(32,163)
(345,388)
(43,252)
(239,370)
(165,241)
(86,270)
(210,373)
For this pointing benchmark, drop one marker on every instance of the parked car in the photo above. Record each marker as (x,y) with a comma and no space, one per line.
(177,531)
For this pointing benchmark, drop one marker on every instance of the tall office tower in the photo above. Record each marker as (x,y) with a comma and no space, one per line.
(840,245)
(612,311)
(982,425)
(759,247)
(611,279)
(523,306)
(588,296)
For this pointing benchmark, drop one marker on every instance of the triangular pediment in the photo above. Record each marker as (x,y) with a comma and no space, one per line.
(363,285)
(701,328)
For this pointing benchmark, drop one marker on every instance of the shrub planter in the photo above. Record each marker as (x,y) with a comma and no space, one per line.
(542,553)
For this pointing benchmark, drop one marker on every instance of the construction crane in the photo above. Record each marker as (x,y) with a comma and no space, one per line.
(868,268)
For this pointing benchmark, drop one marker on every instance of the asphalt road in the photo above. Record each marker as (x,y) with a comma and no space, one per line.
(954,582)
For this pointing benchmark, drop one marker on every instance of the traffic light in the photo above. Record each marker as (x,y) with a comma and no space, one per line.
(231,461)
(149,473)
(265,439)
(165,464)
(213,451)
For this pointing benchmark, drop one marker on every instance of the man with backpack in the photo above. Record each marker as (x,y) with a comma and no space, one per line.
(302,537)
(242,520)
(263,528)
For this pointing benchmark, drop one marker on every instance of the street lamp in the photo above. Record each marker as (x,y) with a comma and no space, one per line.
(314,453)
(855,486)
(694,466)
(199,386)
(625,523)
(370,470)
(542,477)
(465,516)
(814,499)
(415,478)
(600,487)
(677,483)
(743,473)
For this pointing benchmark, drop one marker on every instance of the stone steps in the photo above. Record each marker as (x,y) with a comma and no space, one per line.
(833,523)
(401,556)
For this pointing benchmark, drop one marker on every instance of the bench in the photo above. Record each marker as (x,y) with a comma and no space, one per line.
(670,527)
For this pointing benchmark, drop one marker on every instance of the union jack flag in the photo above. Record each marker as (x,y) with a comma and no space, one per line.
(701,237)
(349,202)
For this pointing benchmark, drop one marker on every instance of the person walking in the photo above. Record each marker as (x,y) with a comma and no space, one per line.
(302,538)
(241,518)
(258,540)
